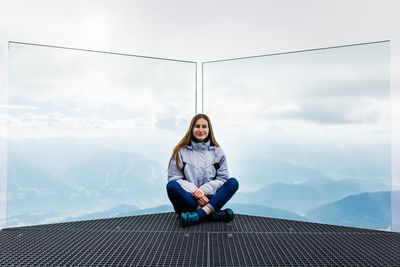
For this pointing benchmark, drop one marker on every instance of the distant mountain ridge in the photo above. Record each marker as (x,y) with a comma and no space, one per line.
(307,195)
(264,211)
(337,189)
(110,177)
(128,176)
(282,196)
(28,187)
(104,179)
(255,171)
(366,210)
(250,209)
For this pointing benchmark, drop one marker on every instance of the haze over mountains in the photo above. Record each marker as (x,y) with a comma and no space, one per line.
(366,210)
(108,183)
(307,195)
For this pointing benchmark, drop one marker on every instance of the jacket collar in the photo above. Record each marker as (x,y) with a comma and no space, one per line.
(200,145)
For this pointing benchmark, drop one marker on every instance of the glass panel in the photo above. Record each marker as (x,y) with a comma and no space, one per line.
(3,133)
(90,133)
(307,133)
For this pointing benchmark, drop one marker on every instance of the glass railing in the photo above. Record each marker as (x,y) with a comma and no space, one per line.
(90,133)
(307,133)
(3,133)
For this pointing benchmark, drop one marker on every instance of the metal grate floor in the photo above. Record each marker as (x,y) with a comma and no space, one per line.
(158,240)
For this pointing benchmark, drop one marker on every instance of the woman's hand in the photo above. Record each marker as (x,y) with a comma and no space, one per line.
(202,201)
(198,193)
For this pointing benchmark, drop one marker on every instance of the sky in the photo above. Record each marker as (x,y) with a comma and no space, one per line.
(88,94)
(196,31)
(328,93)
(206,30)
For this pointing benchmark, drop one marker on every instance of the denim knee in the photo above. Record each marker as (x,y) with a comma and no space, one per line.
(233,183)
(172,186)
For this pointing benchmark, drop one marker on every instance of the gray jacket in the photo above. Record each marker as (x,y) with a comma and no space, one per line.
(199,170)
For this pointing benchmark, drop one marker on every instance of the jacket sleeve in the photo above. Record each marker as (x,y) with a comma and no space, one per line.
(211,187)
(175,174)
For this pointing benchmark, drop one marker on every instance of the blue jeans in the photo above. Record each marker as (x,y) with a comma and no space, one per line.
(183,201)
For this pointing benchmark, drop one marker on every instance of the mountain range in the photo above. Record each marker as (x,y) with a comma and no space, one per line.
(255,171)
(101,181)
(307,195)
(366,210)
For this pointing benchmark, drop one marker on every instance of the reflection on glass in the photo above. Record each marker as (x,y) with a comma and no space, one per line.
(307,133)
(89,133)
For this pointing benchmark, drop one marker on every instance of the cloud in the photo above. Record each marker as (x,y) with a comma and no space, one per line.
(328,91)
(56,124)
(17,107)
(24,192)
(168,118)
(171,116)
(89,94)
(326,111)
(80,81)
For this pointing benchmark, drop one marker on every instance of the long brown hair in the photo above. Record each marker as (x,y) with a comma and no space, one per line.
(188,137)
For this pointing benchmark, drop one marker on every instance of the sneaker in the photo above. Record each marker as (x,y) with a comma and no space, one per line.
(189,218)
(225,215)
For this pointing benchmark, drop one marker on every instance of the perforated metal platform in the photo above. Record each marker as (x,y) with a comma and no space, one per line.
(158,240)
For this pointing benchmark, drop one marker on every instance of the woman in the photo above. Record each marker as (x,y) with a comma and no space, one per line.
(198,181)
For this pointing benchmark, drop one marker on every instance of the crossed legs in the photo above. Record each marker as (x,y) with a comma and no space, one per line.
(183,201)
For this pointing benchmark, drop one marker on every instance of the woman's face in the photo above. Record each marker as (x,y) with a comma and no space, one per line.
(200,129)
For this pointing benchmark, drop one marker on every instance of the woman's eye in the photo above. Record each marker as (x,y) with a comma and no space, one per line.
(204,127)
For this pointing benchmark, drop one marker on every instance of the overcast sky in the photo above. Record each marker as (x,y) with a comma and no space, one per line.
(53,88)
(61,92)
(206,30)
(198,31)
(342,86)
